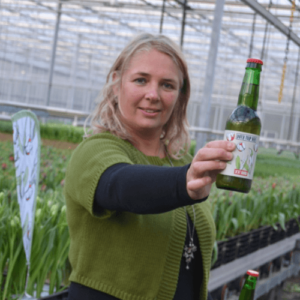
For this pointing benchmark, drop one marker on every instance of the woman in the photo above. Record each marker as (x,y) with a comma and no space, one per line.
(139,224)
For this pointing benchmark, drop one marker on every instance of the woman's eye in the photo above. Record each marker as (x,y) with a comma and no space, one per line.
(168,86)
(140,80)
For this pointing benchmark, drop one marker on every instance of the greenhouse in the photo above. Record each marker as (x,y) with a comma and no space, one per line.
(55,56)
(58,53)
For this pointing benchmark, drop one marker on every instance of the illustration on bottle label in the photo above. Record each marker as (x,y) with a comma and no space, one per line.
(244,156)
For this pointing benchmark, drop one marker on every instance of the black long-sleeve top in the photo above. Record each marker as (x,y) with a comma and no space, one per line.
(162,189)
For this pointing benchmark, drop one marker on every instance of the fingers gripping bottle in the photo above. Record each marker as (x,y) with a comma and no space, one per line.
(243,128)
(248,289)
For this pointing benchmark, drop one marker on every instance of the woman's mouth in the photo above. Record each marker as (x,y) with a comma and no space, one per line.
(149,112)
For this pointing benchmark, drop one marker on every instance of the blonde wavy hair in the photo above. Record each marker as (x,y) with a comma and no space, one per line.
(105,116)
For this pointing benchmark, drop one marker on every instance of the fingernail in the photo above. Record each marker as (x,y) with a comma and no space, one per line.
(232,146)
(222,165)
(229,156)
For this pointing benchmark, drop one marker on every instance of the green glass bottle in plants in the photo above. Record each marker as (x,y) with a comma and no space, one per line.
(248,289)
(243,128)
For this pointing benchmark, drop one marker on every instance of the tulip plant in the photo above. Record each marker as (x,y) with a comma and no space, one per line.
(273,200)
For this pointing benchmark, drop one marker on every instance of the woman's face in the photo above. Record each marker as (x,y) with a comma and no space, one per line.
(148,92)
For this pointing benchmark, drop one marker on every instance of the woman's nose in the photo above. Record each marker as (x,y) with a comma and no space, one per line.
(153,93)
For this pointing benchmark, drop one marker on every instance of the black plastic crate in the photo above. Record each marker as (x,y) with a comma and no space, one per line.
(265,236)
(254,240)
(243,244)
(230,250)
(220,254)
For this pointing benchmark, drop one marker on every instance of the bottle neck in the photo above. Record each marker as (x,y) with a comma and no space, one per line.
(250,283)
(247,292)
(249,92)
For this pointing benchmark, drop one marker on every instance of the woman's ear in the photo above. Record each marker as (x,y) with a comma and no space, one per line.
(115,79)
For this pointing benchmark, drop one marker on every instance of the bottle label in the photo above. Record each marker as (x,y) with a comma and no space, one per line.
(244,156)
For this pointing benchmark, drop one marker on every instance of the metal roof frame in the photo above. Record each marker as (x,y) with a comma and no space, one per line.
(97,30)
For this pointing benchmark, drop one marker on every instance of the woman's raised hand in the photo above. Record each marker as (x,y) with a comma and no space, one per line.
(207,163)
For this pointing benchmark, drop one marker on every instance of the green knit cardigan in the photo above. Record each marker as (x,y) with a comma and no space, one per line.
(126,255)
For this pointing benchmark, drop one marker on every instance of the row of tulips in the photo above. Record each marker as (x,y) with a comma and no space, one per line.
(271,201)
(49,262)
(49,248)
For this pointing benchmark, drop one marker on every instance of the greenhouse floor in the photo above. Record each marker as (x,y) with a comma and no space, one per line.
(290,289)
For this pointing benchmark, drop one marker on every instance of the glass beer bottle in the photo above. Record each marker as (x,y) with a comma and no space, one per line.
(248,289)
(243,128)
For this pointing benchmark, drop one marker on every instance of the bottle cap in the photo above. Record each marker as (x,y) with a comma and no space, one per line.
(254,60)
(252,273)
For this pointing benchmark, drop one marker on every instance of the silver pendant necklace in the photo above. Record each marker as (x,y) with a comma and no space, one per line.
(190,248)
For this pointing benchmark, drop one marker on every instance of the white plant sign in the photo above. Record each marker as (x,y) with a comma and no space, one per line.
(26,139)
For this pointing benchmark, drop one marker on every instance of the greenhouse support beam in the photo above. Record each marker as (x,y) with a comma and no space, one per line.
(43,110)
(282,134)
(258,8)
(204,117)
(183,23)
(162,17)
(52,63)
(296,130)
(74,71)
(293,103)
